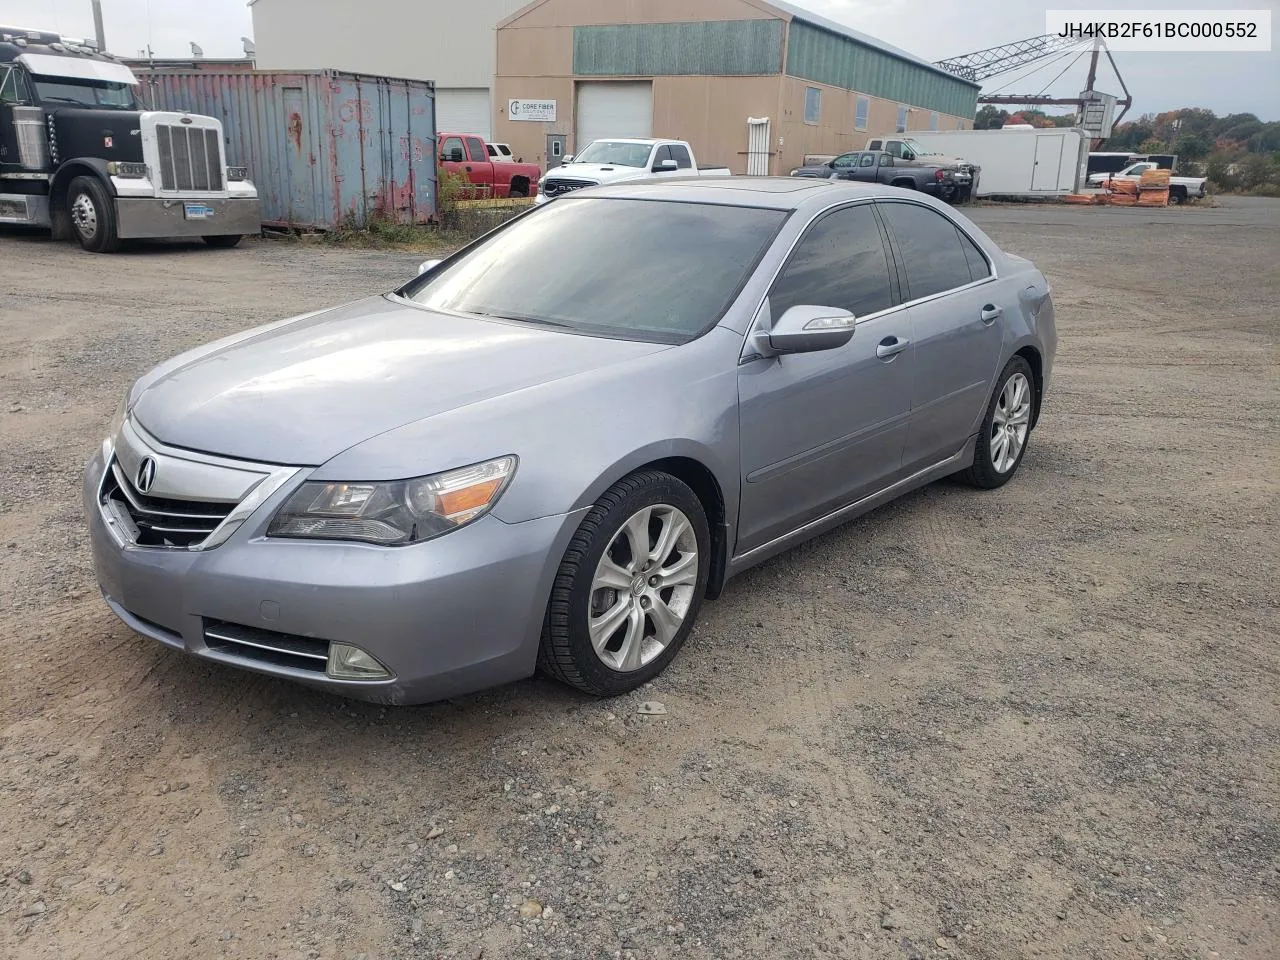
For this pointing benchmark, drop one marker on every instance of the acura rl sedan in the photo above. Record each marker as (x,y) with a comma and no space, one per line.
(546,451)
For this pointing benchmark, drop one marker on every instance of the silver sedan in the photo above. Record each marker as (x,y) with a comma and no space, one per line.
(549,449)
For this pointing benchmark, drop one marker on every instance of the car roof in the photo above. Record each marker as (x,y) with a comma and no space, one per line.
(777,193)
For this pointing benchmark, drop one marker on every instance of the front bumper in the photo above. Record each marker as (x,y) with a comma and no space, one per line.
(150,217)
(453,615)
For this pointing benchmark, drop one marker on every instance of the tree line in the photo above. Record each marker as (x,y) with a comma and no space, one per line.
(1236,152)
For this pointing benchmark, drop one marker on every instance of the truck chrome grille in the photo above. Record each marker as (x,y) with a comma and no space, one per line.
(159,522)
(190,160)
(555,188)
(267,646)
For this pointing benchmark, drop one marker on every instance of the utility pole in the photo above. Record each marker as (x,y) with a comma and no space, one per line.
(97,26)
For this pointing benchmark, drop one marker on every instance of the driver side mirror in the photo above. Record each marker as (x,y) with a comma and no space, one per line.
(806,328)
(428,265)
(664,165)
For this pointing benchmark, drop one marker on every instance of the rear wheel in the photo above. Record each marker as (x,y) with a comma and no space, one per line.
(93,215)
(1005,429)
(1177,194)
(904,184)
(227,241)
(629,588)
(519,187)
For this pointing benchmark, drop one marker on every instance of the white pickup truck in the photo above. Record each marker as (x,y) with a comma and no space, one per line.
(1181,189)
(622,160)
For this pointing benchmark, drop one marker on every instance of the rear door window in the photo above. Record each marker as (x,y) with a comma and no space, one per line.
(979,269)
(680,154)
(478,152)
(932,254)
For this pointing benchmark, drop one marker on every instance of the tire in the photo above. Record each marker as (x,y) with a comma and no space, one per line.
(992,466)
(904,184)
(630,643)
(223,242)
(93,216)
(1178,195)
(518,190)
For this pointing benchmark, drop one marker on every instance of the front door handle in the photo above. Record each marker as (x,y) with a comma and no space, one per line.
(890,347)
(991,313)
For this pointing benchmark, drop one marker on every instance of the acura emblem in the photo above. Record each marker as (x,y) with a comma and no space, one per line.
(146,474)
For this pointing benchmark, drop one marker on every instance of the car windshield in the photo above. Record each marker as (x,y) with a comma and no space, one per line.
(652,270)
(89,93)
(615,152)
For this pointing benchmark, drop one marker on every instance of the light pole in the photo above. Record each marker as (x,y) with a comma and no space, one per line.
(97,26)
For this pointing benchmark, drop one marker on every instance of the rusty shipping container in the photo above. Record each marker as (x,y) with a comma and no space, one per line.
(324,148)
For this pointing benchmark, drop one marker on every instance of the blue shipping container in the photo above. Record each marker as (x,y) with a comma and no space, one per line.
(324,148)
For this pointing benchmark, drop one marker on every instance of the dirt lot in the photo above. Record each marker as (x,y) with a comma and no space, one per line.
(1043,721)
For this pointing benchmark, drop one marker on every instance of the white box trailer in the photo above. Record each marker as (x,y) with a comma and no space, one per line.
(1017,163)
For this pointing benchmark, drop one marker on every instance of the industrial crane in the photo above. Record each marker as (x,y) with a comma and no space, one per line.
(1094,108)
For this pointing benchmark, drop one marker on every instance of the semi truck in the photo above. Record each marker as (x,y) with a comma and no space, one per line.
(78,155)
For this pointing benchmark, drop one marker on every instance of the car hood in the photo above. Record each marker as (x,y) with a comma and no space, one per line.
(600,172)
(300,393)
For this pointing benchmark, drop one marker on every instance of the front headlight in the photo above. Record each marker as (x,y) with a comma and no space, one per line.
(127,171)
(396,513)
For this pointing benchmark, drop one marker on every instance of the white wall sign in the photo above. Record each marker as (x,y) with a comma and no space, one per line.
(541,110)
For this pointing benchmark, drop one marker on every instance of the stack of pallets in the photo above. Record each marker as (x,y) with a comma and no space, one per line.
(1153,189)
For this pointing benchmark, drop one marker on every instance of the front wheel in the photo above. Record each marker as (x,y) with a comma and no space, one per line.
(93,216)
(227,241)
(629,588)
(1002,441)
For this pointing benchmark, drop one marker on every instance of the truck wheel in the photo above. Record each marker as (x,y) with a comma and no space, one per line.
(93,215)
(225,242)
(519,187)
(1178,194)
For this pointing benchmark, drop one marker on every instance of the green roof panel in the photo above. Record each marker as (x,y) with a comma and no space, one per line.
(840,61)
(707,48)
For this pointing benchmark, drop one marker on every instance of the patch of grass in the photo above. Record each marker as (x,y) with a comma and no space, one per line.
(459,221)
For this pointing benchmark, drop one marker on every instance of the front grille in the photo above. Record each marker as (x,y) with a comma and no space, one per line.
(160,522)
(267,646)
(555,188)
(190,160)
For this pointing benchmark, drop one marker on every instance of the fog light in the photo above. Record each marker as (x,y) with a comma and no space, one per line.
(351,663)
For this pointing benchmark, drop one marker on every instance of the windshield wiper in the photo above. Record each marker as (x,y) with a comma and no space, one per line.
(81,103)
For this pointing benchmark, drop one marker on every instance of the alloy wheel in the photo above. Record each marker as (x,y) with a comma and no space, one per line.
(1010,422)
(643,587)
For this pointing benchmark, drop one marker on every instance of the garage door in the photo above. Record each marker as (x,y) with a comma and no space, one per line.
(613,110)
(460,110)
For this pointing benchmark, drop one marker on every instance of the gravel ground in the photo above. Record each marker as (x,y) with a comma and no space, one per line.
(1041,721)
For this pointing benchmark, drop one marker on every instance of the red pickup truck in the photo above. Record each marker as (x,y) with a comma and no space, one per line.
(466,155)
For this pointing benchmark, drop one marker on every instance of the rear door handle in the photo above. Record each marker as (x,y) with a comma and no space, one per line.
(991,313)
(890,347)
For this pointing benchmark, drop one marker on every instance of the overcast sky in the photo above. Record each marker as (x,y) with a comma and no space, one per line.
(932,29)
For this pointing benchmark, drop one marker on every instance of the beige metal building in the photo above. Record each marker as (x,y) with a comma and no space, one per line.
(751,84)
